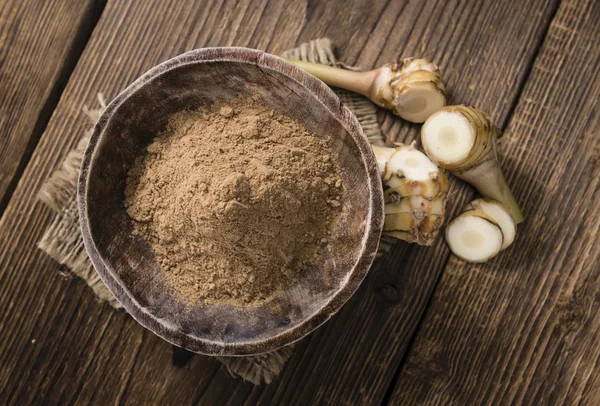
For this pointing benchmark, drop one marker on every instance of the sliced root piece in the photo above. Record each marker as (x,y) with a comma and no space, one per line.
(448,138)
(474,236)
(415,193)
(500,215)
(462,140)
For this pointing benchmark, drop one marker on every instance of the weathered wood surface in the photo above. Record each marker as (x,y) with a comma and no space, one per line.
(88,353)
(40,43)
(525,327)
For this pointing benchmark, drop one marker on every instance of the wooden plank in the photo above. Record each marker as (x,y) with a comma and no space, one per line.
(353,359)
(40,43)
(88,353)
(524,328)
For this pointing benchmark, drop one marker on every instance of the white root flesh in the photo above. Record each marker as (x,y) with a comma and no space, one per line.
(500,215)
(483,229)
(411,88)
(474,236)
(463,140)
(415,193)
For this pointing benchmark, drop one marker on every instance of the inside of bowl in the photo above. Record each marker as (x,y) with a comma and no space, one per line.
(129,259)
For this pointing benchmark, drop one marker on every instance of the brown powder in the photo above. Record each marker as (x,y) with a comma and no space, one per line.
(235,201)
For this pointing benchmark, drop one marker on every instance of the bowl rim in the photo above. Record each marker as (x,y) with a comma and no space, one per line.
(373,222)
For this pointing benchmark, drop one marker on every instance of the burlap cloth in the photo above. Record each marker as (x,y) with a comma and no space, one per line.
(62,239)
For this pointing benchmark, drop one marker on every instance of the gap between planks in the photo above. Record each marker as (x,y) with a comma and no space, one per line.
(82,37)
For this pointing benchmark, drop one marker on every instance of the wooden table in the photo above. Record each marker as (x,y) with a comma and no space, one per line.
(425,328)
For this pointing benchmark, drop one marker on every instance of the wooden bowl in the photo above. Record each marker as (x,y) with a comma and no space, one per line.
(127,264)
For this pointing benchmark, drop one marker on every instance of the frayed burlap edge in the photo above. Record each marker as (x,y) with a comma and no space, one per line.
(62,239)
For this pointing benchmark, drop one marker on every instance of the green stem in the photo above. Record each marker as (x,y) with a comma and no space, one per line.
(488,179)
(359,82)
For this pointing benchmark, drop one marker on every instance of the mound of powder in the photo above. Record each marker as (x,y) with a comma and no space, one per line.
(235,201)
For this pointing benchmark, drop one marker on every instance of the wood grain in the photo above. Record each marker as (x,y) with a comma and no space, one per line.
(525,327)
(353,359)
(86,352)
(40,43)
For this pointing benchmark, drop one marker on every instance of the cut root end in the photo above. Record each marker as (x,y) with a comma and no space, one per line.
(448,137)
(462,140)
(417,101)
(481,231)
(474,237)
(500,215)
(412,88)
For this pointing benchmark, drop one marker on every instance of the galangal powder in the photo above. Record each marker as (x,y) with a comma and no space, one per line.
(235,201)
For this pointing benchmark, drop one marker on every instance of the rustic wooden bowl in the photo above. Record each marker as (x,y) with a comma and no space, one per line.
(126,263)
